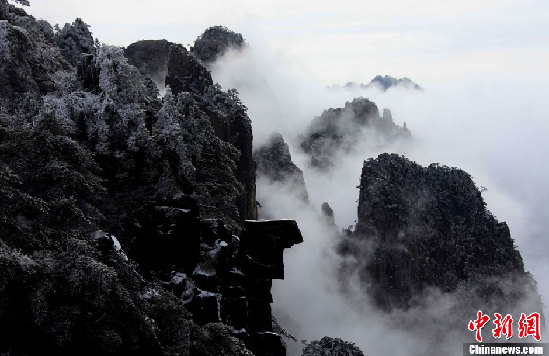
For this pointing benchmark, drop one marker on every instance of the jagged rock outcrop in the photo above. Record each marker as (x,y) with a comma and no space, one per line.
(227,115)
(341,130)
(74,40)
(88,73)
(185,72)
(274,163)
(214,42)
(387,82)
(262,246)
(428,227)
(328,214)
(328,346)
(121,230)
(150,57)
(218,276)
(28,58)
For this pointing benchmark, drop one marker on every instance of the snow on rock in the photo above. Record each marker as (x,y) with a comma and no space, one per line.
(215,254)
(182,286)
(204,270)
(164,207)
(236,271)
(205,293)
(178,278)
(150,293)
(103,238)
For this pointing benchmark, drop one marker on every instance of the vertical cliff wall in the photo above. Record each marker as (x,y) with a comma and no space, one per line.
(122,214)
(424,227)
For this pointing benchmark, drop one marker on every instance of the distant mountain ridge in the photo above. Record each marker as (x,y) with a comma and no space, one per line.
(384,83)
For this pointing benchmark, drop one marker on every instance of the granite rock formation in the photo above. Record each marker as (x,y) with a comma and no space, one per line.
(75,39)
(328,214)
(122,215)
(428,227)
(214,42)
(262,246)
(224,110)
(150,57)
(185,72)
(274,163)
(28,58)
(341,130)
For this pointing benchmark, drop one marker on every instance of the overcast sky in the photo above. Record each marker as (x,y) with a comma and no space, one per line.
(334,41)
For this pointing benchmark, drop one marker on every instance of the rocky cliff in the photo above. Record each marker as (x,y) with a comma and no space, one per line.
(123,216)
(428,227)
(343,130)
(274,163)
(150,57)
(214,42)
(73,40)
(29,59)
(227,115)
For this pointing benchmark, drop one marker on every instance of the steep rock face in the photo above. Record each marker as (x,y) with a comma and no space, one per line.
(218,276)
(88,73)
(227,115)
(231,124)
(420,228)
(185,73)
(214,42)
(328,214)
(29,61)
(341,131)
(150,57)
(120,220)
(274,163)
(262,245)
(74,40)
